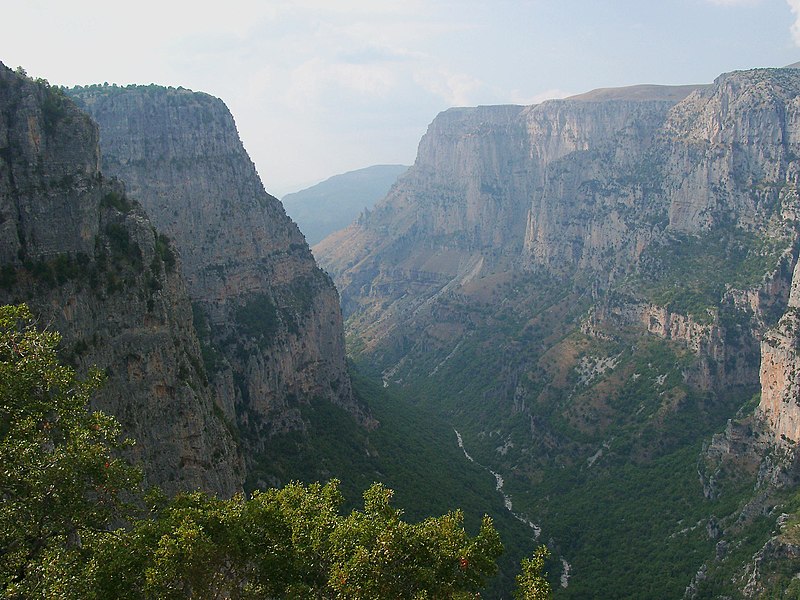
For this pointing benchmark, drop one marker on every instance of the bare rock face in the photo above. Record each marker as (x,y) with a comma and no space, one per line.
(273,335)
(780,371)
(89,262)
(731,149)
(723,155)
(592,208)
(607,191)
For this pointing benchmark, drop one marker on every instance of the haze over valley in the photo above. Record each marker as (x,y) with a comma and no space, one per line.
(565,340)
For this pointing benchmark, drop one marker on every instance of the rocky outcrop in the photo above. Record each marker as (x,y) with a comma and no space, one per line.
(780,371)
(776,551)
(90,264)
(732,150)
(588,189)
(274,336)
(675,209)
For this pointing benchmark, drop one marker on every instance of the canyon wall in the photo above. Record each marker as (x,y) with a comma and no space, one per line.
(672,209)
(88,261)
(780,371)
(270,318)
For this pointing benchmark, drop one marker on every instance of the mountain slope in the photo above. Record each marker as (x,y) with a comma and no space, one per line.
(582,287)
(334,203)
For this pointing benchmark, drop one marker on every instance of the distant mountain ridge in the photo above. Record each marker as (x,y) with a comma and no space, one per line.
(640,92)
(336,202)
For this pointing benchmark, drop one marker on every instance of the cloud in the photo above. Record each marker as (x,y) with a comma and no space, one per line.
(794,6)
(456,89)
(735,2)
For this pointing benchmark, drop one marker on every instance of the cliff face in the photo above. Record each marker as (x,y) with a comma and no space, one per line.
(271,317)
(611,190)
(722,155)
(91,265)
(780,371)
(505,188)
(595,284)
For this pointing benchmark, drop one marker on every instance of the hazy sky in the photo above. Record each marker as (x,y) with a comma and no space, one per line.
(319,87)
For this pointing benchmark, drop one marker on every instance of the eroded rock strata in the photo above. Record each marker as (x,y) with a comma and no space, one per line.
(270,318)
(91,265)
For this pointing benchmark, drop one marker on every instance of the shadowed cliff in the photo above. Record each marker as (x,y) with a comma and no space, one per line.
(88,261)
(269,318)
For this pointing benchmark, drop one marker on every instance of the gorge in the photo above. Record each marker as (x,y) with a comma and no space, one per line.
(270,317)
(599,294)
(589,288)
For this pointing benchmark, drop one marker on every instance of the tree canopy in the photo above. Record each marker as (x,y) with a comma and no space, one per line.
(74,523)
(59,475)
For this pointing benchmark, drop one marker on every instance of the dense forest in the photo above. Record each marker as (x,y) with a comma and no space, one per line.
(75,522)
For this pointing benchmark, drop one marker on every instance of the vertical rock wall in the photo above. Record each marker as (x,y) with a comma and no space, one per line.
(90,264)
(780,370)
(272,317)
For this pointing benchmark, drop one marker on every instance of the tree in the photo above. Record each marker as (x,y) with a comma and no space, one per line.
(378,555)
(62,486)
(290,543)
(59,477)
(531,581)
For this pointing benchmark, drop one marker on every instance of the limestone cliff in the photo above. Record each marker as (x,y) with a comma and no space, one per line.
(780,371)
(274,336)
(90,264)
(724,154)
(595,283)
(616,191)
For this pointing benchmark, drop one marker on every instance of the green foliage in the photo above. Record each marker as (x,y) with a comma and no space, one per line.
(122,247)
(50,273)
(259,319)
(41,271)
(55,107)
(62,490)
(163,261)
(607,465)
(288,543)
(59,479)
(117,200)
(688,274)
(758,540)
(413,451)
(212,357)
(165,253)
(380,556)
(531,583)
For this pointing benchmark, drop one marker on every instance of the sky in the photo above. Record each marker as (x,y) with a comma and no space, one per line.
(321,87)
